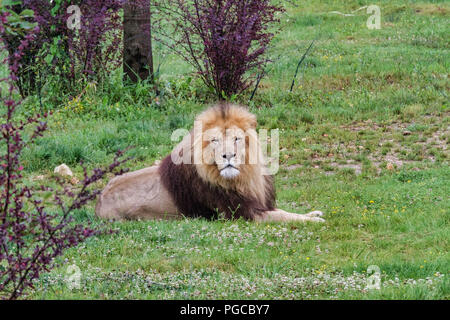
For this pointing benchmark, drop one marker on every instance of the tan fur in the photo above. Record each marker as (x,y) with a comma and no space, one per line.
(136,195)
(141,194)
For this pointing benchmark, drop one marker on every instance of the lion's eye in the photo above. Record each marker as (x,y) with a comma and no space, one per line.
(214,140)
(237,139)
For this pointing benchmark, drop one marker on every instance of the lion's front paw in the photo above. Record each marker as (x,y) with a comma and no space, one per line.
(316,219)
(314,214)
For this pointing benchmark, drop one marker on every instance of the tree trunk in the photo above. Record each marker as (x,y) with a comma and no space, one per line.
(137,41)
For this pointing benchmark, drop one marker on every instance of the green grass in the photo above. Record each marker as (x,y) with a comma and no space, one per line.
(364,138)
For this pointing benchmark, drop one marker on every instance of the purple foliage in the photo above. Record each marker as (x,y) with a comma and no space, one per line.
(30,235)
(92,50)
(222,39)
(97,47)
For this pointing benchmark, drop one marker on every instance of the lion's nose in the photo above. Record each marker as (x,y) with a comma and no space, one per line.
(229,156)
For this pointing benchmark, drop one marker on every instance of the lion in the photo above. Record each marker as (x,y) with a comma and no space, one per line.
(216,171)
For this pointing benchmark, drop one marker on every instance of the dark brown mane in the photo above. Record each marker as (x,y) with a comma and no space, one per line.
(224,109)
(197,198)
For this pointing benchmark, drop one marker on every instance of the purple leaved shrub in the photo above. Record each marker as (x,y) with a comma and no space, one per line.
(31,234)
(65,51)
(222,39)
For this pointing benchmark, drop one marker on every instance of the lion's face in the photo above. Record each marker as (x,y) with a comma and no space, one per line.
(225,148)
(230,150)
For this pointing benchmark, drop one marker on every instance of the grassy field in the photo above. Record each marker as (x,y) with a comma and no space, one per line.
(364,138)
